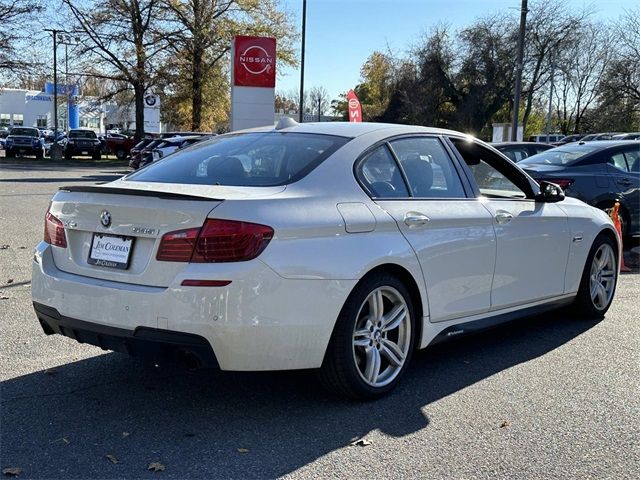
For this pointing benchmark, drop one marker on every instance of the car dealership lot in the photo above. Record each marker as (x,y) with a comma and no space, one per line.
(553,396)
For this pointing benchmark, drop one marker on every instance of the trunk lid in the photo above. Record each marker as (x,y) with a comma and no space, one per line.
(143,212)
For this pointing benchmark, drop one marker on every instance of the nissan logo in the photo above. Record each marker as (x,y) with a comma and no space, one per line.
(258,59)
(105,218)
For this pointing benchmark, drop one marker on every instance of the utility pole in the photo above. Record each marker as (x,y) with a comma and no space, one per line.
(518,86)
(55,152)
(553,67)
(319,107)
(304,27)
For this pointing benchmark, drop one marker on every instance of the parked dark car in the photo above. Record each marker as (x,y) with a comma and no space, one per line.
(592,137)
(568,139)
(598,173)
(166,146)
(136,151)
(82,142)
(25,141)
(627,136)
(145,152)
(518,151)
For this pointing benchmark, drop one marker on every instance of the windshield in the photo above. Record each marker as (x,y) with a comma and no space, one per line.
(559,156)
(82,134)
(250,159)
(28,132)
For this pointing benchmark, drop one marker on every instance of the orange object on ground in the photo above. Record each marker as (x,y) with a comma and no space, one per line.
(615,216)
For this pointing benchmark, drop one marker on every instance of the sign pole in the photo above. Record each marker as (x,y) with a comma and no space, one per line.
(304,27)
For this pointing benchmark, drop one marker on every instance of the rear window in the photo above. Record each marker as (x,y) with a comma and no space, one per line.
(82,134)
(560,156)
(28,132)
(249,159)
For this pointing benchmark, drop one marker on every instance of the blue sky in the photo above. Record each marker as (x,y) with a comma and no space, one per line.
(341,34)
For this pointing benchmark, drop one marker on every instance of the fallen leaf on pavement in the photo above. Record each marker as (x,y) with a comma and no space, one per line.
(4,247)
(156,467)
(361,442)
(4,298)
(10,280)
(22,248)
(12,472)
(505,424)
(111,458)
(243,450)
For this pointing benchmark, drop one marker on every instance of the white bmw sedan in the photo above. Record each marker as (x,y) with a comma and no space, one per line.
(334,246)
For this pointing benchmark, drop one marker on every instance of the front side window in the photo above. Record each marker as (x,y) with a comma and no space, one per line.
(380,175)
(495,177)
(428,168)
(618,161)
(249,159)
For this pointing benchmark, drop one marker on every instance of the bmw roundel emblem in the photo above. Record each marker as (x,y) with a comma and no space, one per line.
(105,218)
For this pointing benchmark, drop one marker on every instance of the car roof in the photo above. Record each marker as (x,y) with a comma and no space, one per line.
(517,144)
(352,129)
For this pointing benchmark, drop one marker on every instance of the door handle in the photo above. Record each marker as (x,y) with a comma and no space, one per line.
(415,219)
(624,181)
(503,217)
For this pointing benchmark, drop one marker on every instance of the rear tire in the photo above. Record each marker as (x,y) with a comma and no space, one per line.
(372,341)
(599,279)
(121,154)
(68,156)
(40,154)
(96,156)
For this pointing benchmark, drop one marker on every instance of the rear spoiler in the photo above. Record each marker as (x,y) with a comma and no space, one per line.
(135,192)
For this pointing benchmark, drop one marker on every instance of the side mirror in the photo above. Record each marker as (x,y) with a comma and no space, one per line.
(549,192)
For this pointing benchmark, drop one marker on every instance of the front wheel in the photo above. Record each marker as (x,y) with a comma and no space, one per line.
(599,278)
(372,341)
(121,154)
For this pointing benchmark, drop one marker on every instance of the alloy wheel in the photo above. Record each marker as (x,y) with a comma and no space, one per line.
(603,276)
(382,336)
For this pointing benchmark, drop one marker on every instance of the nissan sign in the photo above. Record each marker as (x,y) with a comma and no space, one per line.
(254,62)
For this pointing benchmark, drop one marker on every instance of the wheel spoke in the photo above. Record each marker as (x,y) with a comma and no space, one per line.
(373,365)
(594,289)
(601,294)
(376,305)
(607,274)
(393,319)
(361,338)
(393,352)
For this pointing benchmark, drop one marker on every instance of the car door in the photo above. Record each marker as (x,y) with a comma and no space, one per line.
(532,237)
(416,181)
(624,167)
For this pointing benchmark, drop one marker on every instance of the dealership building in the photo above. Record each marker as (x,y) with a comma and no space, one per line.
(33,108)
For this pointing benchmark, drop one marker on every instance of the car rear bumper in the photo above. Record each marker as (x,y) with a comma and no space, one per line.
(260,321)
(152,343)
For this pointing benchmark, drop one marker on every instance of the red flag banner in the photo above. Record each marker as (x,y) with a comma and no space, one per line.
(355,109)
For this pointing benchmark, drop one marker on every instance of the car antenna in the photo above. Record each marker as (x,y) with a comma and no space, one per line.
(286,122)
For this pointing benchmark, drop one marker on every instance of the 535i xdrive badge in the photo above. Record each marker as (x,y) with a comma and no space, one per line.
(340,247)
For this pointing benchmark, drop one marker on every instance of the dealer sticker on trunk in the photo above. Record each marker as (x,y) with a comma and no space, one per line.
(110,251)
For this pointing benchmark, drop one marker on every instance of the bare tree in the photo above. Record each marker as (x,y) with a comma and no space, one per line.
(551,28)
(319,100)
(122,38)
(581,70)
(14,18)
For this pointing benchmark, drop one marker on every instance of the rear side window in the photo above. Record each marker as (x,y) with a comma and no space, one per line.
(618,161)
(248,159)
(428,167)
(381,176)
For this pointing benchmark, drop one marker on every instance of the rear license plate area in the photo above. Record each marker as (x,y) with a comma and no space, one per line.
(111,251)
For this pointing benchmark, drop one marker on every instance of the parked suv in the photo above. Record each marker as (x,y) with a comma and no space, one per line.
(82,142)
(24,140)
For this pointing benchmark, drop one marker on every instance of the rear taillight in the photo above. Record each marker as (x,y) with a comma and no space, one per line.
(231,241)
(216,241)
(178,246)
(563,183)
(54,231)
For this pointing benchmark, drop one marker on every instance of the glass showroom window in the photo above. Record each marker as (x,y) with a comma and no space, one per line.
(5,119)
(18,119)
(41,121)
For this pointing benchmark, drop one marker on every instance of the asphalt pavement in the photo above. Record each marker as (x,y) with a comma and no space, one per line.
(553,396)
